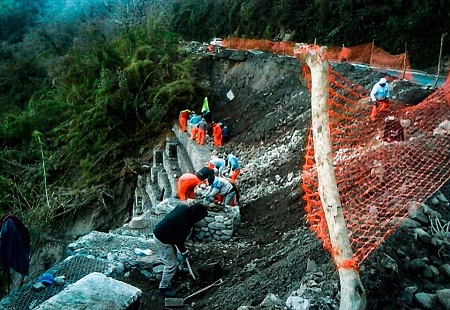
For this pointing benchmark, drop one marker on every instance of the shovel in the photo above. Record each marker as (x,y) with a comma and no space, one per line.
(179,302)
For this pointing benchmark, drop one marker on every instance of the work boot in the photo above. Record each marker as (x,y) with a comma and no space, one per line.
(168,292)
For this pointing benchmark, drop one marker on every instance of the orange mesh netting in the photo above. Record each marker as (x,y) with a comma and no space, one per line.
(369,54)
(285,47)
(379,183)
(365,53)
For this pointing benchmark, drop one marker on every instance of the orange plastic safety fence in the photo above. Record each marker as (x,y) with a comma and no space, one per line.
(284,48)
(364,54)
(380,183)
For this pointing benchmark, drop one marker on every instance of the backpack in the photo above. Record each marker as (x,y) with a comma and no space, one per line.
(15,245)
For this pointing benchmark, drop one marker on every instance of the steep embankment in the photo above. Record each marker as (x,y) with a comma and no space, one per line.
(269,117)
(274,251)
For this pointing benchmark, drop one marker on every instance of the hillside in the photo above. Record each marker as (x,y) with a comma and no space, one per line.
(273,251)
(88,89)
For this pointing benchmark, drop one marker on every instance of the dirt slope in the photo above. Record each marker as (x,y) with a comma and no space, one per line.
(273,251)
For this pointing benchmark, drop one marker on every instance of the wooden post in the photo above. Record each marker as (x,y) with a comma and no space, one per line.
(404,61)
(352,291)
(371,52)
(440,57)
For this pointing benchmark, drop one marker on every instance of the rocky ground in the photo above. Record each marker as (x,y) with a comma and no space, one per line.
(274,260)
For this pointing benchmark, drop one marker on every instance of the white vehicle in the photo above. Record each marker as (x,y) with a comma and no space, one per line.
(216,42)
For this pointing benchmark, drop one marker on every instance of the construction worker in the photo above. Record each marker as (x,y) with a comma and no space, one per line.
(217,134)
(205,174)
(183,119)
(194,132)
(189,181)
(201,132)
(233,163)
(380,98)
(218,163)
(226,136)
(195,119)
(186,185)
(224,188)
(171,233)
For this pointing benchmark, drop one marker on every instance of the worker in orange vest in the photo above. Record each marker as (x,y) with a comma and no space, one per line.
(186,185)
(201,132)
(217,134)
(194,132)
(188,181)
(183,119)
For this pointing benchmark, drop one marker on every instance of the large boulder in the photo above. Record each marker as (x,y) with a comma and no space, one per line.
(409,93)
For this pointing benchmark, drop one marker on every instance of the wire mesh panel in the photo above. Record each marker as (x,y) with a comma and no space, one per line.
(73,268)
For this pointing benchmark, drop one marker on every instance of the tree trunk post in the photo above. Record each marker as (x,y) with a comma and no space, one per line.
(371,52)
(352,291)
(440,57)
(404,61)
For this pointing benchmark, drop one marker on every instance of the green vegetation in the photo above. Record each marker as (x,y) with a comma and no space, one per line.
(390,24)
(84,89)
(71,116)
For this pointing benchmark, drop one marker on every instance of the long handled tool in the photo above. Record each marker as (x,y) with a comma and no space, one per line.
(188,265)
(179,302)
(190,269)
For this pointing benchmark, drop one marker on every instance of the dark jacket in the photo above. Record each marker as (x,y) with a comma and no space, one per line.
(225,134)
(175,227)
(208,117)
(206,173)
(15,245)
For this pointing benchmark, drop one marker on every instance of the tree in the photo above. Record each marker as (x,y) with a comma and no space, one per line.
(352,290)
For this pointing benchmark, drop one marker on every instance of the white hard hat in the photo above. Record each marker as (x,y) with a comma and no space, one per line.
(382,81)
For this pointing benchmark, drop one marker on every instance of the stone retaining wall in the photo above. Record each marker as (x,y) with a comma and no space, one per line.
(217,226)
